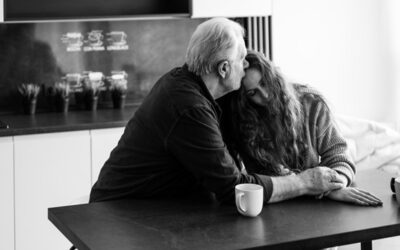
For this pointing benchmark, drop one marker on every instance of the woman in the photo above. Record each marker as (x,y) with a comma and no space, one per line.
(278,128)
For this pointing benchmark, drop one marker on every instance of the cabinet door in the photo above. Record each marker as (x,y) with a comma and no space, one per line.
(6,193)
(50,170)
(103,142)
(231,8)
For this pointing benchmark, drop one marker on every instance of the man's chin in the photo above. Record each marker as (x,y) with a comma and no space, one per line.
(236,87)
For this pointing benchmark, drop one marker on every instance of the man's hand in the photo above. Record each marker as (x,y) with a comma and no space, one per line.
(343,179)
(319,180)
(356,196)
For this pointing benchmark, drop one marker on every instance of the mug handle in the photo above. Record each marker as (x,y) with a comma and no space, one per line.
(241,207)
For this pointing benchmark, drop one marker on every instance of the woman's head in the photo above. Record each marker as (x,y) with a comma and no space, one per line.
(267,116)
(263,84)
(264,88)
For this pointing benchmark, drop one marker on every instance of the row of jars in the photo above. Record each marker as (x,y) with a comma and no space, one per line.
(86,88)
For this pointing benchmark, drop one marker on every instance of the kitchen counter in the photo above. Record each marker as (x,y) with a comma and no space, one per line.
(72,121)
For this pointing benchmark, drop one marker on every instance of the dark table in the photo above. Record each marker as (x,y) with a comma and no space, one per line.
(301,223)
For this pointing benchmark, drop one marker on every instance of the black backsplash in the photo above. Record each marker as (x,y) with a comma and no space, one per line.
(40,53)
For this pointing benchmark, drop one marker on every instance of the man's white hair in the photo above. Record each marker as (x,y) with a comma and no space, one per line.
(209,44)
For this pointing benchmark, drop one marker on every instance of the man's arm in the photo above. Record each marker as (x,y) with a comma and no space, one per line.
(312,181)
(196,142)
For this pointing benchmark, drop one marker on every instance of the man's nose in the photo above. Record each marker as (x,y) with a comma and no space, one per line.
(245,64)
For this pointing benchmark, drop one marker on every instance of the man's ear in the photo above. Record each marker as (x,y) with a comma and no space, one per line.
(224,69)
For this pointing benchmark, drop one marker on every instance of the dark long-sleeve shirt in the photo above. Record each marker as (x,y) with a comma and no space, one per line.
(172,147)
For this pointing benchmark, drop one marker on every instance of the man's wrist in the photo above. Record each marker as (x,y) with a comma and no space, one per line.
(287,187)
(302,183)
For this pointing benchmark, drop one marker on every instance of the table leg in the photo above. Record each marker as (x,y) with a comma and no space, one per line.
(366,245)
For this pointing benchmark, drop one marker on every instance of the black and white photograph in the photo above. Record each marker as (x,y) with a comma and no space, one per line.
(200,124)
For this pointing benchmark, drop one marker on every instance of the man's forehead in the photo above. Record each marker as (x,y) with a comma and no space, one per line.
(240,47)
(237,50)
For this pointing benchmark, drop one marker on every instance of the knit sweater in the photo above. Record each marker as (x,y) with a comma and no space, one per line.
(324,144)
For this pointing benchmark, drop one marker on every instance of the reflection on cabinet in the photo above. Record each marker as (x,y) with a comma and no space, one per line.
(103,141)
(50,170)
(231,8)
(6,193)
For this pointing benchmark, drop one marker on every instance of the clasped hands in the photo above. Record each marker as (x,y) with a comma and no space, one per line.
(323,181)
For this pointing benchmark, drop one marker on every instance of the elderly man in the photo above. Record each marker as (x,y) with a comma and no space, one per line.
(173,146)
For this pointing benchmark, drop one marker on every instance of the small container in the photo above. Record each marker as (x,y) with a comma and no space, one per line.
(29,106)
(392,185)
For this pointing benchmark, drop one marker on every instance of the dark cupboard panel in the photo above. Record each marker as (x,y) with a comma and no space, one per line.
(19,10)
(43,53)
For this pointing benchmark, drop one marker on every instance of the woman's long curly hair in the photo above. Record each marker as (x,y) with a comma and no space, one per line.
(271,135)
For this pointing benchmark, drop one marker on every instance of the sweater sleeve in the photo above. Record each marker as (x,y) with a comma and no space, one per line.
(196,141)
(332,146)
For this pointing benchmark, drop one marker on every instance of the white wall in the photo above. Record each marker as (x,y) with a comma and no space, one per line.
(392,13)
(344,48)
(1,10)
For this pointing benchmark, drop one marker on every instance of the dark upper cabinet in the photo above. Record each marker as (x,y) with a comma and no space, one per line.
(39,10)
(230,8)
(32,10)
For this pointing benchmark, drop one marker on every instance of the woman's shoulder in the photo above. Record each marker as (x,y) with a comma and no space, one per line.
(305,90)
(308,94)
(315,107)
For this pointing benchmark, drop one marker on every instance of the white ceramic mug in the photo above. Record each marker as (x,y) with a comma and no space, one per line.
(397,189)
(249,199)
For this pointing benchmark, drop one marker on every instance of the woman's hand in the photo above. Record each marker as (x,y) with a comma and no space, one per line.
(354,195)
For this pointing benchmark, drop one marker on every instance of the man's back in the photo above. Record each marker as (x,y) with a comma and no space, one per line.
(144,164)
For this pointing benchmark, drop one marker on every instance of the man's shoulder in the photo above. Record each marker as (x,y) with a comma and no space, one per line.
(183,90)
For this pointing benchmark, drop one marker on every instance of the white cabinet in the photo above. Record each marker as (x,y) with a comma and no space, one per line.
(50,170)
(6,193)
(47,170)
(103,141)
(231,8)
